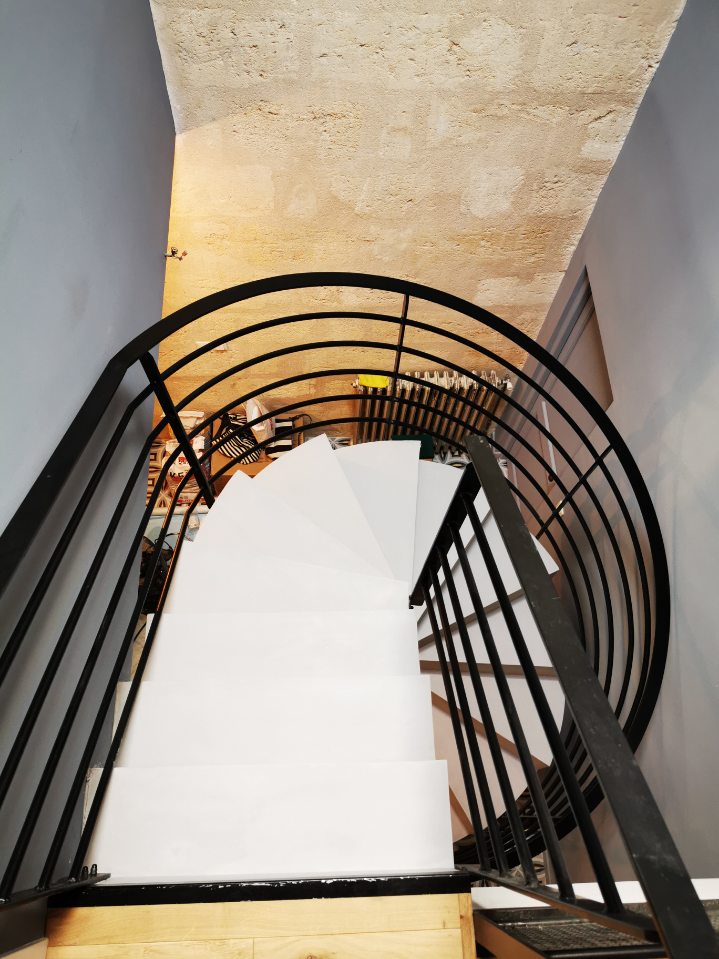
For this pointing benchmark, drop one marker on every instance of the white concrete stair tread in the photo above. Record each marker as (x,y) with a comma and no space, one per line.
(199,646)
(247,512)
(383,477)
(254,720)
(230,580)
(312,481)
(436,486)
(274,821)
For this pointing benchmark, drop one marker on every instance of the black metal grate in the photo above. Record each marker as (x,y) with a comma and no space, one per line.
(549,935)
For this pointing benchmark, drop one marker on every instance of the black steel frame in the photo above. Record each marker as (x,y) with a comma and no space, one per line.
(609,542)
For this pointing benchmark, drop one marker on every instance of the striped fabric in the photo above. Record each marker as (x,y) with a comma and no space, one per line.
(282,442)
(242,446)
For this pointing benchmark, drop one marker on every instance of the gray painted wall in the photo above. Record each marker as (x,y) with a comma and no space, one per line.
(651,250)
(86,154)
(86,151)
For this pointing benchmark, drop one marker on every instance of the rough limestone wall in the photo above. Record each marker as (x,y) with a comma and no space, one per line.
(457,145)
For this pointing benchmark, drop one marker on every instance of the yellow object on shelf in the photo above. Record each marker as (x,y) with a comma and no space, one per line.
(374,380)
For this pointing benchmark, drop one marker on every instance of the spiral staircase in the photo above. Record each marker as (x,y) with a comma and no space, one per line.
(304,702)
(367,673)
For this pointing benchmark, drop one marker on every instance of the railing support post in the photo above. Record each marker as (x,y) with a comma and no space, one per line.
(168,408)
(392,407)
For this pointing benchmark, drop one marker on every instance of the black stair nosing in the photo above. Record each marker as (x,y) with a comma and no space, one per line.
(161,893)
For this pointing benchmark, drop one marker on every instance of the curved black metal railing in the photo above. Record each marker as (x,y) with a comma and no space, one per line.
(588,504)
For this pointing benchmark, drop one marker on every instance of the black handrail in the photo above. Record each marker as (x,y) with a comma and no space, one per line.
(613,615)
(679,917)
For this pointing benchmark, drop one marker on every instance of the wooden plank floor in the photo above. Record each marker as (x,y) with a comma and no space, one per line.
(393,927)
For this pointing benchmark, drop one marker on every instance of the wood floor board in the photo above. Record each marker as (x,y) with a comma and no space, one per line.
(250,920)
(466,925)
(422,944)
(198,949)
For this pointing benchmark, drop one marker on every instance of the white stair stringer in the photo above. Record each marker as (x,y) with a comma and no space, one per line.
(252,516)
(384,478)
(298,643)
(481,575)
(500,633)
(311,480)
(267,821)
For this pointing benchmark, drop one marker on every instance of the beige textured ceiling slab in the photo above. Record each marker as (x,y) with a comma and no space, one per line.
(459,145)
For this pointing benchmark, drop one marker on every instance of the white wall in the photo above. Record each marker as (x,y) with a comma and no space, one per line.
(651,250)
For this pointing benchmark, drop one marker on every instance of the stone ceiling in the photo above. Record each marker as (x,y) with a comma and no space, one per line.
(460,145)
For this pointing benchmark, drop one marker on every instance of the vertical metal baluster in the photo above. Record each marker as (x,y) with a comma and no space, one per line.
(544,817)
(472,399)
(452,411)
(556,743)
(371,414)
(520,840)
(417,393)
(433,400)
(479,840)
(168,408)
(480,399)
(424,414)
(470,732)
(360,427)
(389,429)
(489,417)
(442,401)
(406,409)
(124,719)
